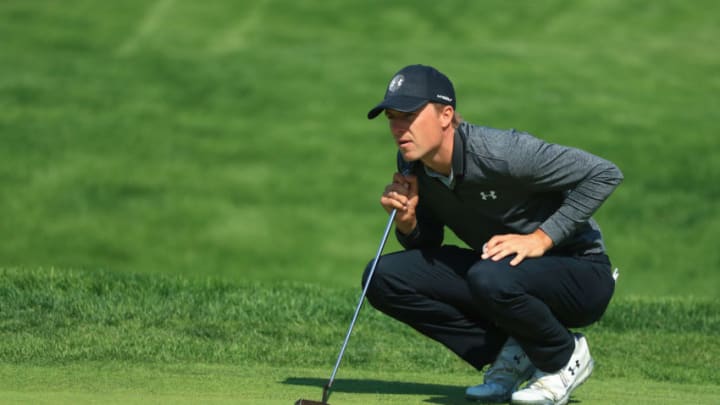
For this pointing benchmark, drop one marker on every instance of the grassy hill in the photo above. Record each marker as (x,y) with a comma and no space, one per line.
(230,138)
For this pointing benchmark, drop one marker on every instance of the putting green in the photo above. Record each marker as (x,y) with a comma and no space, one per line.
(210,384)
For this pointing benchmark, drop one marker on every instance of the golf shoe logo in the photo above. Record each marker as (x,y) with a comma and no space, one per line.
(396,83)
(577,366)
(490,195)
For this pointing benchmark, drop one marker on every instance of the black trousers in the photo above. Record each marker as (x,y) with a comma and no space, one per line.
(472,305)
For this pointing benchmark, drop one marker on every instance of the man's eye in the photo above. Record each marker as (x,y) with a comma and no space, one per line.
(402,116)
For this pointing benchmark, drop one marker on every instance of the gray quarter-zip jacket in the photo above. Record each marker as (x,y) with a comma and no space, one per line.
(506,181)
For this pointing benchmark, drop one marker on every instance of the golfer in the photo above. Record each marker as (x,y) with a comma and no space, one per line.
(536,264)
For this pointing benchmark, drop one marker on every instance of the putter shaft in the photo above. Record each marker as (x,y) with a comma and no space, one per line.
(326,388)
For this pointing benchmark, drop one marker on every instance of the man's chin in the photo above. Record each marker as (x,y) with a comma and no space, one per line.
(409,156)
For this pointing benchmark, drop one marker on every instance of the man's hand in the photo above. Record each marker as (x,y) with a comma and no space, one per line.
(522,246)
(402,195)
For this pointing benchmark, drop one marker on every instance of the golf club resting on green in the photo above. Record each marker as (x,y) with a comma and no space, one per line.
(535,265)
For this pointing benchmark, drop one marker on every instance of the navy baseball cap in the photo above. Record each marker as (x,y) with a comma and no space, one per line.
(413,87)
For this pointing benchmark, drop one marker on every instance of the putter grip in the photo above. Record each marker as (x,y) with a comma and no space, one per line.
(403,166)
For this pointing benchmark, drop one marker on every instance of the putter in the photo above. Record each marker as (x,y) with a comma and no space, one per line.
(326,389)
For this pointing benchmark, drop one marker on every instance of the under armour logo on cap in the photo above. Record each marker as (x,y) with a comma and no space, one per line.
(395,83)
(413,87)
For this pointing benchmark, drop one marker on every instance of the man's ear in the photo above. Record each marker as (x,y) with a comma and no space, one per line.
(446,116)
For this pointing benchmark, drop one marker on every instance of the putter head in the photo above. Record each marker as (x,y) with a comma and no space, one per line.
(325,397)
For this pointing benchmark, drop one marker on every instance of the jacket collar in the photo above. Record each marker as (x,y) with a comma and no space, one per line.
(458,156)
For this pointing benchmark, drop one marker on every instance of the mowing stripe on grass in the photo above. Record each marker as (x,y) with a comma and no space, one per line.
(148,24)
(236,37)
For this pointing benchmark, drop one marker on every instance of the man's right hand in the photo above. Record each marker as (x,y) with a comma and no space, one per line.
(402,195)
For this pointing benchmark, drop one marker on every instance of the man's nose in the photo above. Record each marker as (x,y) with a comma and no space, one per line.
(397,127)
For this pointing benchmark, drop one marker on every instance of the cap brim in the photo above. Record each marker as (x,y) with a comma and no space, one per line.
(399,103)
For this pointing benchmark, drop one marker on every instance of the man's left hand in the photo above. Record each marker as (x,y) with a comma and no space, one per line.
(522,246)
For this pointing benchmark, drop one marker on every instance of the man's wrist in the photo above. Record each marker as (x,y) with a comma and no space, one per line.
(545,240)
(406,228)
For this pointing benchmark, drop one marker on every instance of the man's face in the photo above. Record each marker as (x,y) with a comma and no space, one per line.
(418,133)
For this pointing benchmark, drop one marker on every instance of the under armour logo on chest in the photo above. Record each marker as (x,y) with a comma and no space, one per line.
(490,195)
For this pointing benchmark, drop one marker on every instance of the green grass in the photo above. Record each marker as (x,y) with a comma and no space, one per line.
(212,384)
(107,332)
(208,170)
(54,316)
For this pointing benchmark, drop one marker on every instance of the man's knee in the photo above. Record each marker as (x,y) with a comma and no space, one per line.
(492,284)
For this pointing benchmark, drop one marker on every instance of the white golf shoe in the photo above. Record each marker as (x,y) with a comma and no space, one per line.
(511,368)
(555,388)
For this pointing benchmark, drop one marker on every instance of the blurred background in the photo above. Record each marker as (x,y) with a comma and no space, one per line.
(229,139)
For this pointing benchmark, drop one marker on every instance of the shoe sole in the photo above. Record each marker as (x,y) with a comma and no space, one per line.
(564,400)
(503,399)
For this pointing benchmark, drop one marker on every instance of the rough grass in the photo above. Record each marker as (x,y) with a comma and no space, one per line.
(60,317)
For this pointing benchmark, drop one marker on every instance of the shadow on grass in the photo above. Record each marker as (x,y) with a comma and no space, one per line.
(438,393)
